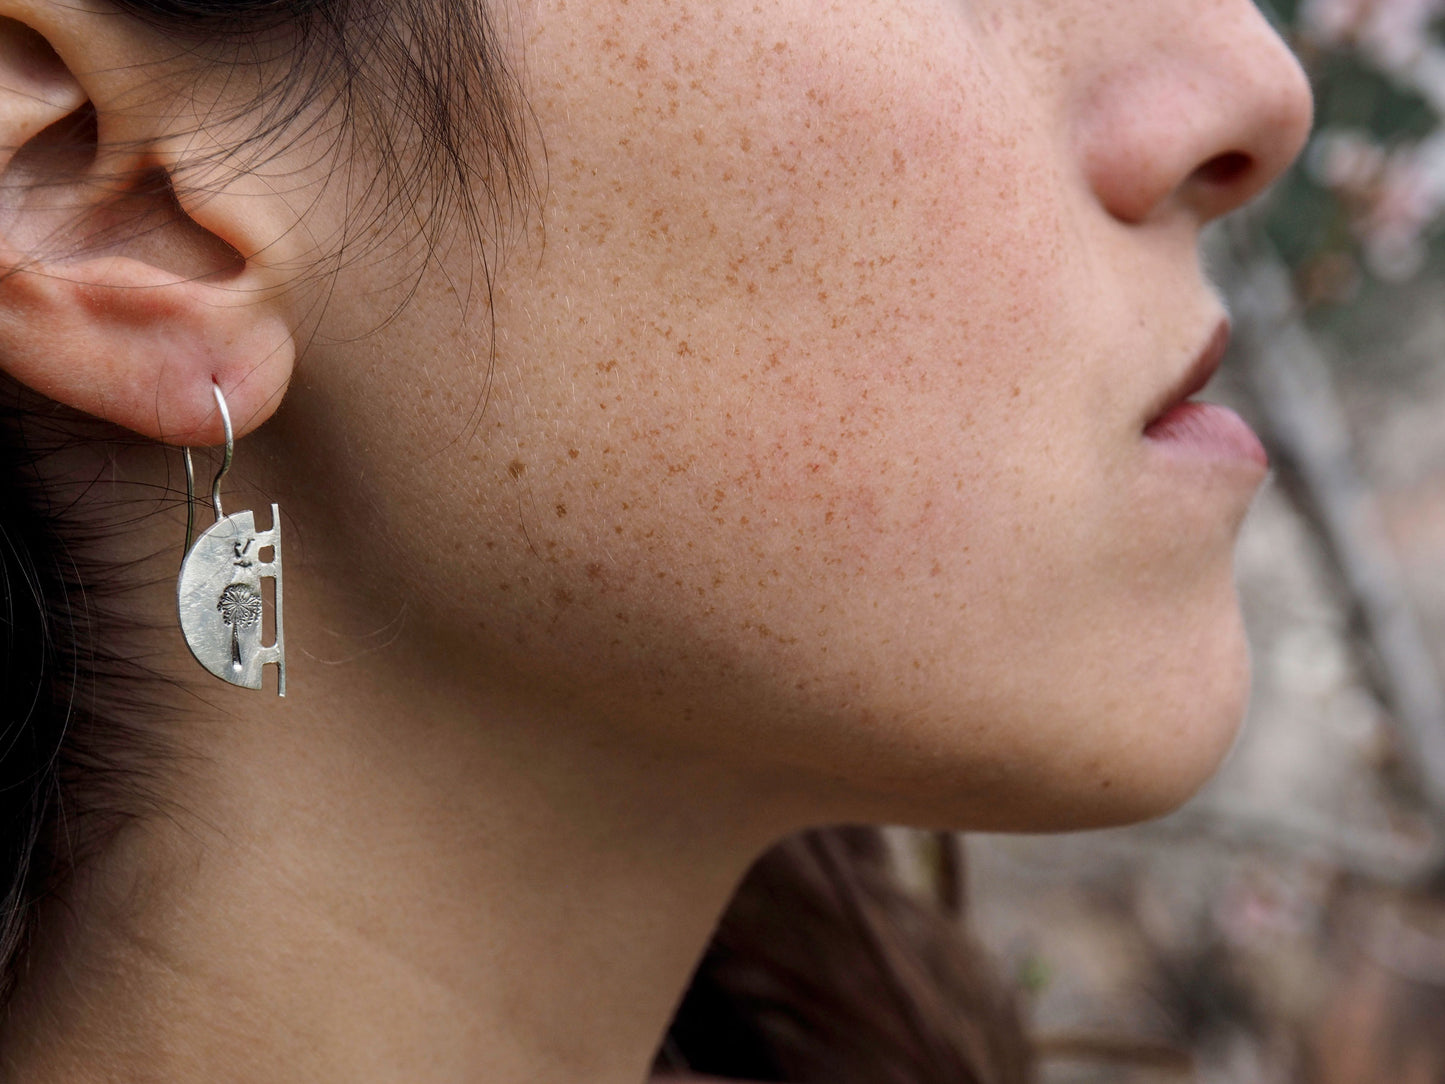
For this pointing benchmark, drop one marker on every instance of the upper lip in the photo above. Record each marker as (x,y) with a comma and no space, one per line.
(1205,365)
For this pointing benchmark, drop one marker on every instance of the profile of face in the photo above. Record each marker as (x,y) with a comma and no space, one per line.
(818,431)
(815,421)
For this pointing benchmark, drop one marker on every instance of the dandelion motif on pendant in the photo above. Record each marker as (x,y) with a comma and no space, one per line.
(240,608)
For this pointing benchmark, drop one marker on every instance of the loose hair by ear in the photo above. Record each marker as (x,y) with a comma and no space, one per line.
(421,88)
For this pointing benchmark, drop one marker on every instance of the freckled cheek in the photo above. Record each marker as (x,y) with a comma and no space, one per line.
(819,300)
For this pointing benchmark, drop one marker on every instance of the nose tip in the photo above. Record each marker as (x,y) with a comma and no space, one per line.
(1203,123)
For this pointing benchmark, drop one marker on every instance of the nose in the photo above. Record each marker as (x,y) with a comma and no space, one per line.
(1208,109)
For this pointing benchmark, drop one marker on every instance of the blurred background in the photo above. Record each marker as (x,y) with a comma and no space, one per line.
(1289,924)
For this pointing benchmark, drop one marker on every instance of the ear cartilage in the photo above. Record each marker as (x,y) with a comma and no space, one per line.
(220,596)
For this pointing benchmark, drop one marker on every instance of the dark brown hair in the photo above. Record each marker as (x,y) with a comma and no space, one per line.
(823,969)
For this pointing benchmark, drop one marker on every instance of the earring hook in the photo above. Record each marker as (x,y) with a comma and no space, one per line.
(216,482)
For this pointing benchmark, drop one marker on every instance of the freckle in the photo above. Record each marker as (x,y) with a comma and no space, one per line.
(594,571)
(573,453)
(746,144)
(562,597)
(561,510)
(516,468)
(1016,392)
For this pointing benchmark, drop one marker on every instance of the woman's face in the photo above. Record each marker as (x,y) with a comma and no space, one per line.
(815,437)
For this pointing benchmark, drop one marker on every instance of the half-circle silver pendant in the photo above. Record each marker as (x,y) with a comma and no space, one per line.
(221,599)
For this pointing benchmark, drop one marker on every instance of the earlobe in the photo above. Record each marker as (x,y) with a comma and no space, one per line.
(113,299)
(128,342)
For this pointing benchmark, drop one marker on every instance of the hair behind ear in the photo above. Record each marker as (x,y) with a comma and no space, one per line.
(78,749)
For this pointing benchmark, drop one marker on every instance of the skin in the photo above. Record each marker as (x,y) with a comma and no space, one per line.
(808,482)
(820,444)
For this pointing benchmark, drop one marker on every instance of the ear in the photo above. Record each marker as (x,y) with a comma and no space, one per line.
(116,298)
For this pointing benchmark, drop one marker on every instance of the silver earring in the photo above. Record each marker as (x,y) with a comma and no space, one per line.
(219,593)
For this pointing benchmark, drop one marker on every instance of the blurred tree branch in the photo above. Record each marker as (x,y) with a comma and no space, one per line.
(1292,385)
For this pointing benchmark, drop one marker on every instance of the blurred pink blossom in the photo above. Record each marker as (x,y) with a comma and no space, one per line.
(1392,33)
(1394,197)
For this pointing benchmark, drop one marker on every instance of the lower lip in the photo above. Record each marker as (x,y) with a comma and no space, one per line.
(1210,431)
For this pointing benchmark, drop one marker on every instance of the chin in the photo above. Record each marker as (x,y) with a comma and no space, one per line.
(1138,751)
(1177,751)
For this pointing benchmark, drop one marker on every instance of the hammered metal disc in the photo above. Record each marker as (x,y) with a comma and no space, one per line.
(221,605)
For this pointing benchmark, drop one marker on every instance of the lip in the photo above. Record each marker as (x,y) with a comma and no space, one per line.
(1199,373)
(1206,430)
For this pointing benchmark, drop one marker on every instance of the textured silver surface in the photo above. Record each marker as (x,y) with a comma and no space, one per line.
(221,600)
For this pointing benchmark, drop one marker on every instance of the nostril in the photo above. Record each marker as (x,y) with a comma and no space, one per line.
(1225,170)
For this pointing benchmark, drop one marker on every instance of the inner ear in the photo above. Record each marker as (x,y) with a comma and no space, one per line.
(56,205)
(146,222)
(66,148)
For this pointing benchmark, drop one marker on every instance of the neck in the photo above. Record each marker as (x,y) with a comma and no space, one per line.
(390,875)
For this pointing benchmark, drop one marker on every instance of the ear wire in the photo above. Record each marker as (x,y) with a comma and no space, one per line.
(230,450)
(216,482)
